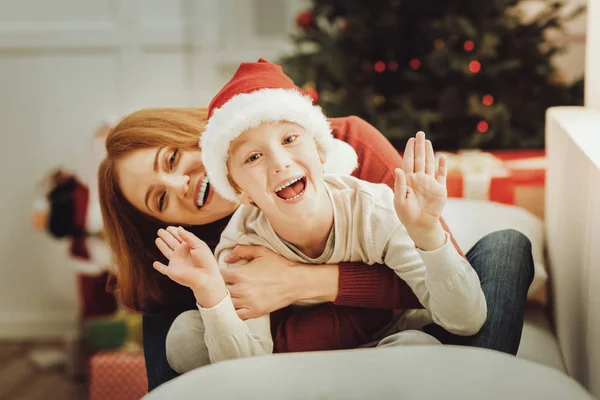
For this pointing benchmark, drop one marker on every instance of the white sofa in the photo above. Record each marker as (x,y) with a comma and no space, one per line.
(566,335)
(558,342)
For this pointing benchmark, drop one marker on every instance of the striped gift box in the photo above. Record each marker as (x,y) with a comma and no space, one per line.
(514,177)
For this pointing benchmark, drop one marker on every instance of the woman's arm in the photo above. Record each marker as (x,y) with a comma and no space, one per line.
(269,282)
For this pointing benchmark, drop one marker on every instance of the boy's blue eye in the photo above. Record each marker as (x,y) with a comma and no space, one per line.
(253,157)
(290,139)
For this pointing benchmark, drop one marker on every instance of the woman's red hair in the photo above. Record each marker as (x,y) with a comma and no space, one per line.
(129,232)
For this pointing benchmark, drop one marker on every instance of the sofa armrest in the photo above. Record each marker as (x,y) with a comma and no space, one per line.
(573,237)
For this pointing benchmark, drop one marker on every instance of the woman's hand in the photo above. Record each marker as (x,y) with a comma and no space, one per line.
(191,264)
(269,282)
(420,193)
(265,284)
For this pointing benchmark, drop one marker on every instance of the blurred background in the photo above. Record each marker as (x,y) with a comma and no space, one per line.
(471,74)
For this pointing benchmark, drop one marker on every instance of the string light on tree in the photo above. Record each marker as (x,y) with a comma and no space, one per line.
(415,64)
(468,45)
(343,25)
(379,66)
(438,43)
(483,126)
(378,100)
(474,66)
(487,100)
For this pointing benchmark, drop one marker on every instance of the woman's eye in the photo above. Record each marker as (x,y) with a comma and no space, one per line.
(253,157)
(290,139)
(161,201)
(172,159)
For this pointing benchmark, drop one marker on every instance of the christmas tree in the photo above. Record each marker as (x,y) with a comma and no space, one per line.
(471,74)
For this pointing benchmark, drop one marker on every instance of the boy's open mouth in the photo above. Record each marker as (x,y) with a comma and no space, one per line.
(292,189)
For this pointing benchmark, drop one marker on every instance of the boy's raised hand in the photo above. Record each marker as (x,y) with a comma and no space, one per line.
(420,187)
(191,264)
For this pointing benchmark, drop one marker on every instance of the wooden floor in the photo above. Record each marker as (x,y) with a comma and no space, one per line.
(22,379)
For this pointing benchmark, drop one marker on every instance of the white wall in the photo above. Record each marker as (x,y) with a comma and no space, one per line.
(67,64)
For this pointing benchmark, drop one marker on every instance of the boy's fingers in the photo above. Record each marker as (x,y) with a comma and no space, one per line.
(160,267)
(174,231)
(442,171)
(400,186)
(164,248)
(408,160)
(168,238)
(420,152)
(182,250)
(191,239)
(429,159)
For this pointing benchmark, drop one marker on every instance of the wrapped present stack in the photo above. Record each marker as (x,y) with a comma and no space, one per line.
(116,368)
(510,177)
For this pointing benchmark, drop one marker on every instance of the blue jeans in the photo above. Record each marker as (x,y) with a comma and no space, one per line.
(503,262)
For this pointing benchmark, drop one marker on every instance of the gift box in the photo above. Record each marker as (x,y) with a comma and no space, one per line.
(116,376)
(108,333)
(510,177)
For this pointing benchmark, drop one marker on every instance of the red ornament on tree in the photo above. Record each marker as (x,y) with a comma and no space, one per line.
(469,45)
(487,100)
(379,66)
(483,126)
(304,19)
(474,66)
(311,92)
(392,65)
(415,63)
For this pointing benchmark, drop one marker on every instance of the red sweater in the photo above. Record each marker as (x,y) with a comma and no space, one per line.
(366,294)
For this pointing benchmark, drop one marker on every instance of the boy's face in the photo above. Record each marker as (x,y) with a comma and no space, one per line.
(278,167)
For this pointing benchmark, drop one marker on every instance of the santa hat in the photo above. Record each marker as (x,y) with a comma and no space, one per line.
(257,93)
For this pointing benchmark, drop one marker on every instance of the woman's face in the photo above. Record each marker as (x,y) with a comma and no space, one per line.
(170,185)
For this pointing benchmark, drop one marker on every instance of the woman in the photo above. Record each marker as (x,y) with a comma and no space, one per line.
(143,150)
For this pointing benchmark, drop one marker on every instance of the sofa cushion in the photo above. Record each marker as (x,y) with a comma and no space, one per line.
(538,342)
(470,220)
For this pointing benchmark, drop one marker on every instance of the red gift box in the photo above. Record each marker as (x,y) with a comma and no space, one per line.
(116,375)
(512,177)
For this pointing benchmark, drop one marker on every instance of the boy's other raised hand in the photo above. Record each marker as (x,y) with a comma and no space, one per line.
(420,187)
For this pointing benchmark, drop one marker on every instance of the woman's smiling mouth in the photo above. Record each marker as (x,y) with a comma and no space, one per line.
(202,192)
